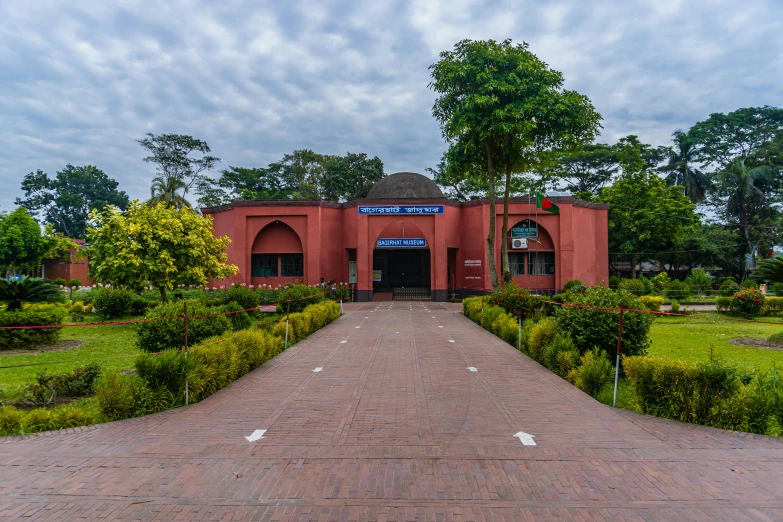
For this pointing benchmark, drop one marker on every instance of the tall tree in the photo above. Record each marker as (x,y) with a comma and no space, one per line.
(178,156)
(169,191)
(680,168)
(583,171)
(646,217)
(22,246)
(738,134)
(350,177)
(501,98)
(66,200)
(740,183)
(156,245)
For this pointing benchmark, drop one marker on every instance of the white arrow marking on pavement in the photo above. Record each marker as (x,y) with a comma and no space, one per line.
(471,368)
(525,438)
(433,317)
(358,327)
(451,340)
(440,327)
(318,369)
(258,434)
(343,342)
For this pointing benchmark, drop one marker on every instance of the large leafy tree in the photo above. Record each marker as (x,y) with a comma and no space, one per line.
(740,134)
(709,246)
(680,168)
(180,157)
(647,217)
(22,245)
(585,170)
(500,98)
(740,183)
(66,200)
(350,177)
(156,245)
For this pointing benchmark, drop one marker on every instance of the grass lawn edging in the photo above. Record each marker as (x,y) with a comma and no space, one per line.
(159,381)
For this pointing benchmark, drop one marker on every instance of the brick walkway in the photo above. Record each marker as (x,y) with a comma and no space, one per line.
(395,427)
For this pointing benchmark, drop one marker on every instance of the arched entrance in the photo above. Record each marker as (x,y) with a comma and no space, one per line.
(402,263)
(277,256)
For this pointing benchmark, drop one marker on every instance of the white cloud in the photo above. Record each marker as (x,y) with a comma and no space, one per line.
(80,81)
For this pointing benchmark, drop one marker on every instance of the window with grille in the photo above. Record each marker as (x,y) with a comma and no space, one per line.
(292,265)
(542,263)
(263,265)
(516,262)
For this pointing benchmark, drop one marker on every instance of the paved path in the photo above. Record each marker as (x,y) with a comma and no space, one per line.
(395,427)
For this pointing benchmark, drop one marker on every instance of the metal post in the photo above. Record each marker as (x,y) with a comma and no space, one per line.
(341,299)
(482,309)
(617,367)
(519,334)
(187,394)
(287,315)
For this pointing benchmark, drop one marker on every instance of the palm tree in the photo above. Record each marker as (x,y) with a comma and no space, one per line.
(770,269)
(680,171)
(740,183)
(167,191)
(30,290)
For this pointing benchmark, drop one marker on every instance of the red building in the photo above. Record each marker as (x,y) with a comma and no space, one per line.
(406,239)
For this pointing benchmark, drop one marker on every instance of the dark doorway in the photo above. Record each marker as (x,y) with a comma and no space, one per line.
(401,268)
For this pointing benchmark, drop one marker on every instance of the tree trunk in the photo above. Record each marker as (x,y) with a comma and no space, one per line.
(163,297)
(633,267)
(507,278)
(493,273)
(743,215)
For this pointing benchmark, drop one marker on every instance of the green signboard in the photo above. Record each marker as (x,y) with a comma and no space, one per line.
(524,228)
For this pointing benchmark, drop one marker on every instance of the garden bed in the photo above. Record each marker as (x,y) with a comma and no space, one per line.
(757,342)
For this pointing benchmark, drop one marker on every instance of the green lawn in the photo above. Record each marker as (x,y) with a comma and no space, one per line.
(690,338)
(101,343)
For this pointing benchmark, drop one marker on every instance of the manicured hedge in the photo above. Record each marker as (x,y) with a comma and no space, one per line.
(652,302)
(110,303)
(169,332)
(302,324)
(14,421)
(37,315)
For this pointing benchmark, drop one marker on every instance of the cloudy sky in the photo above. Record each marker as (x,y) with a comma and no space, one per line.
(80,81)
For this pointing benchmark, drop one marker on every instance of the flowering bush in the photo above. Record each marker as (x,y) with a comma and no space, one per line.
(747,303)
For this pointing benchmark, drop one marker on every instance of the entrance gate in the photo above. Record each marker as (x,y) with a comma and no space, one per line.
(405,273)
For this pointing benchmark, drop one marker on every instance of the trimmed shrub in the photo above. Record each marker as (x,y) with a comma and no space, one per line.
(524,336)
(74,283)
(44,315)
(748,303)
(169,331)
(301,297)
(648,285)
(471,308)
(10,420)
(70,417)
(723,304)
(490,314)
(590,328)
(677,290)
(303,324)
(60,281)
(243,296)
(218,363)
(678,390)
(728,288)
(652,302)
(560,343)
(776,337)
(515,300)
(574,283)
(566,361)
(593,373)
(239,320)
(633,286)
(507,328)
(39,419)
(675,306)
(700,282)
(125,396)
(660,282)
(773,305)
(614,282)
(140,306)
(110,303)
(749,283)
(777,289)
(540,336)
(165,370)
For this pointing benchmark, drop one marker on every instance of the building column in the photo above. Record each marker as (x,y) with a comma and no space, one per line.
(364,250)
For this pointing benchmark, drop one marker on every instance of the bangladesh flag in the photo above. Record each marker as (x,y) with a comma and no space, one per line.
(546,205)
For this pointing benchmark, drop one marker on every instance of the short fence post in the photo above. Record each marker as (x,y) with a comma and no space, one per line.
(287,315)
(482,309)
(519,334)
(187,397)
(617,367)
(341,299)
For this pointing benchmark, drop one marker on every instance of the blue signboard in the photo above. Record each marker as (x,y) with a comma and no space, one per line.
(397,242)
(397,209)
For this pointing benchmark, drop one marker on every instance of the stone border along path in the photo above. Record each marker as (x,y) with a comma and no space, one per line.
(394,427)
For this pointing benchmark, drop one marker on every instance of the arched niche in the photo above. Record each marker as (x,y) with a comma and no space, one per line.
(277,252)
(538,258)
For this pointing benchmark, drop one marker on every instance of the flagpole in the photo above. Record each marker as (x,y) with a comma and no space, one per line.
(527,254)
(537,241)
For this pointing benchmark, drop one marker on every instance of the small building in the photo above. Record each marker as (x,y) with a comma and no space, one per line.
(406,240)
(72,267)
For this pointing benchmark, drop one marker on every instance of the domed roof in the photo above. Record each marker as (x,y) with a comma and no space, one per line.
(405,185)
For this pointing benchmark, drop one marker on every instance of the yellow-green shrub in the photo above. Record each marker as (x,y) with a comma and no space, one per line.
(302,324)
(39,419)
(10,420)
(524,335)
(566,362)
(540,336)
(70,417)
(507,328)
(471,308)
(652,302)
(773,306)
(593,373)
(561,342)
